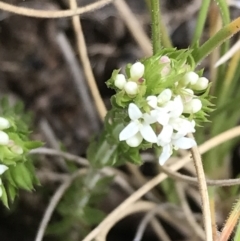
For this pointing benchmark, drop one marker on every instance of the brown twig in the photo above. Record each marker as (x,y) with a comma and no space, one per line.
(52,14)
(203,192)
(82,50)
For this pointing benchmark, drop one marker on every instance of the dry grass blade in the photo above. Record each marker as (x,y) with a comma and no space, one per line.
(197,230)
(194,181)
(82,49)
(52,14)
(134,26)
(203,192)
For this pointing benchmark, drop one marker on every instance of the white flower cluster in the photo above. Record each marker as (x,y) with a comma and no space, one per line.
(130,85)
(165,124)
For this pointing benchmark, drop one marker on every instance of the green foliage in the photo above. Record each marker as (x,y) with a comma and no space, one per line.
(20,173)
(80,206)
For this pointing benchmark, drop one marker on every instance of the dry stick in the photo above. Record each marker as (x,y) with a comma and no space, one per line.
(140,206)
(215,141)
(52,14)
(203,192)
(143,225)
(54,201)
(134,26)
(78,80)
(82,49)
(194,180)
(188,213)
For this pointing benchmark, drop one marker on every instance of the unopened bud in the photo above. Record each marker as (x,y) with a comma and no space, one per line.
(120,81)
(4,139)
(192,106)
(164,96)
(131,88)
(201,84)
(17,150)
(137,71)
(4,123)
(187,95)
(189,78)
(135,140)
(164,60)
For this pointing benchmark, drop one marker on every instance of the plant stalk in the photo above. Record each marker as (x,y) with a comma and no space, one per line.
(156,35)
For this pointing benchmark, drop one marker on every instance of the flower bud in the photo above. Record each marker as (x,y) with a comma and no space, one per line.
(192,106)
(120,81)
(131,88)
(190,77)
(135,140)
(187,95)
(201,84)
(3,168)
(164,96)
(4,139)
(137,71)
(4,123)
(17,149)
(164,60)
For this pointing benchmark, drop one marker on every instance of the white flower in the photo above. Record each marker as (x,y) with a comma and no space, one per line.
(131,88)
(192,106)
(140,123)
(4,123)
(3,168)
(189,78)
(182,143)
(137,71)
(4,139)
(120,81)
(201,84)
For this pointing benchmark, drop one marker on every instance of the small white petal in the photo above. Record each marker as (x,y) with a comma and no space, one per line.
(3,168)
(137,71)
(164,96)
(165,136)
(129,131)
(152,101)
(4,139)
(178,107)
(163,117)
(135,140)
(184,143)
(148,134)
(134,112)
(131,88)
(4,123)
(150,118)
(201,84)
(166,153)
(120,81)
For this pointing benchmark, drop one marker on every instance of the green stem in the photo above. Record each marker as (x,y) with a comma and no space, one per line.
(156,36)
(221,36)
(202,16)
